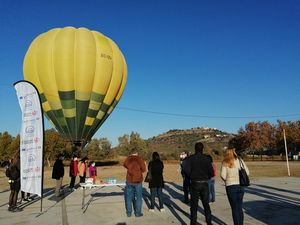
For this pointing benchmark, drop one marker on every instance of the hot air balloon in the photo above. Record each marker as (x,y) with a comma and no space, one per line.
(80,75)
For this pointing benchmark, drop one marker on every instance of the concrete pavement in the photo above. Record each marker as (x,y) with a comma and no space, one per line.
(266,201)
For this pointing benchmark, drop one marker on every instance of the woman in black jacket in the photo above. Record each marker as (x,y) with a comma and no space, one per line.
(14,181)
(156,167)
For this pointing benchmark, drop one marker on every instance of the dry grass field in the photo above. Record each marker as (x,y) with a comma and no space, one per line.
(257,169)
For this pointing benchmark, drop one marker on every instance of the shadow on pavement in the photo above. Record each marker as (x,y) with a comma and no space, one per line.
(279,198)
(272,212)
(96,195)
(278,208)
(4,191)
(174,194)
(146,197)
(278,189)
(50,192)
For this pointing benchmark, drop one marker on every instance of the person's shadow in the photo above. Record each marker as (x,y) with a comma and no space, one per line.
(176,193)
(278,205)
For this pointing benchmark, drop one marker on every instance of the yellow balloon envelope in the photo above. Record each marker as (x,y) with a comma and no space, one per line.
(80,74)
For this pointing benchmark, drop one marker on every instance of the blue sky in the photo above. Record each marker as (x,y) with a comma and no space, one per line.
(209,62)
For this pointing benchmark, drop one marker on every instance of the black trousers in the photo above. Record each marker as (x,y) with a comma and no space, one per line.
(72,183)
(82,178)
(200,190)
(186,188)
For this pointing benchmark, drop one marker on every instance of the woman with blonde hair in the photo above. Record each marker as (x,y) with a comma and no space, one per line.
(230,175)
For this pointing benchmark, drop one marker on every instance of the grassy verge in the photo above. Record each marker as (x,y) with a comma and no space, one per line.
(257,169)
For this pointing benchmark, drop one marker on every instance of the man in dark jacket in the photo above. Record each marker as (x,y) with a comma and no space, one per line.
(199,168)
(58,174)
(133,191)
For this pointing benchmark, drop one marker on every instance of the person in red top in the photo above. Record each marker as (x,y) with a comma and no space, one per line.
(73,171)
(135,166)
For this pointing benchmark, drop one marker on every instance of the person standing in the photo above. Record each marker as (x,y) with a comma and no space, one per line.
(211,182)
(58,173)
(14,182)
(82,166)
(73,171)
(93,171)
(135,166)
(199,169)
(156,184)
(235,192)
(186,179)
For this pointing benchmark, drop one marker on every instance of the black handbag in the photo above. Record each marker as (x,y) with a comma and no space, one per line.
(244,178)
(148,177)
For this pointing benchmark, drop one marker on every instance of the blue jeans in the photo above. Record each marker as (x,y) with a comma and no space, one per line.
(133,196)
(211,188)
(235,194)
(153,192)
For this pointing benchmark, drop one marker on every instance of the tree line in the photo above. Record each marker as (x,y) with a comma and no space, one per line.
(263,138)
(55,144)
(256,138)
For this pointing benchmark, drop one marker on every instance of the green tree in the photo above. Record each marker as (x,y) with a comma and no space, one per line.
(123,147)
(134,140)
(14,146)
(99,148)
(5,142)
(54,145)
(140,144)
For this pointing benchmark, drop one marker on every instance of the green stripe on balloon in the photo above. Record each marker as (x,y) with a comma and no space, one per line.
(67,95)
(92,113)
(81,111)
(104,107)
(67,99)
(97,125)
(68,104)
(51,116)
(97,97)
(59,114)
(85,134)
(43,97)
(71,126)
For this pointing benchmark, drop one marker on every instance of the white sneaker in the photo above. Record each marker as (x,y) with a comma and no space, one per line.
(151,210)
(162,210)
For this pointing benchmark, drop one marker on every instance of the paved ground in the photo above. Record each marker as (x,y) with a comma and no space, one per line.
(267,201)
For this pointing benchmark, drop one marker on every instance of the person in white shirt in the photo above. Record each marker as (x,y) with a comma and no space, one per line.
(235,192)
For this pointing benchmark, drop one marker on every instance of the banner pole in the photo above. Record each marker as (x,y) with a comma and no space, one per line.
(43,158)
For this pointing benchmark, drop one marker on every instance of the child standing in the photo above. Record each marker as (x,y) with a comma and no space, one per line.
(93,171)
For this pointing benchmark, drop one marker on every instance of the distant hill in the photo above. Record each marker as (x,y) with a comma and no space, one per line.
(173,142)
